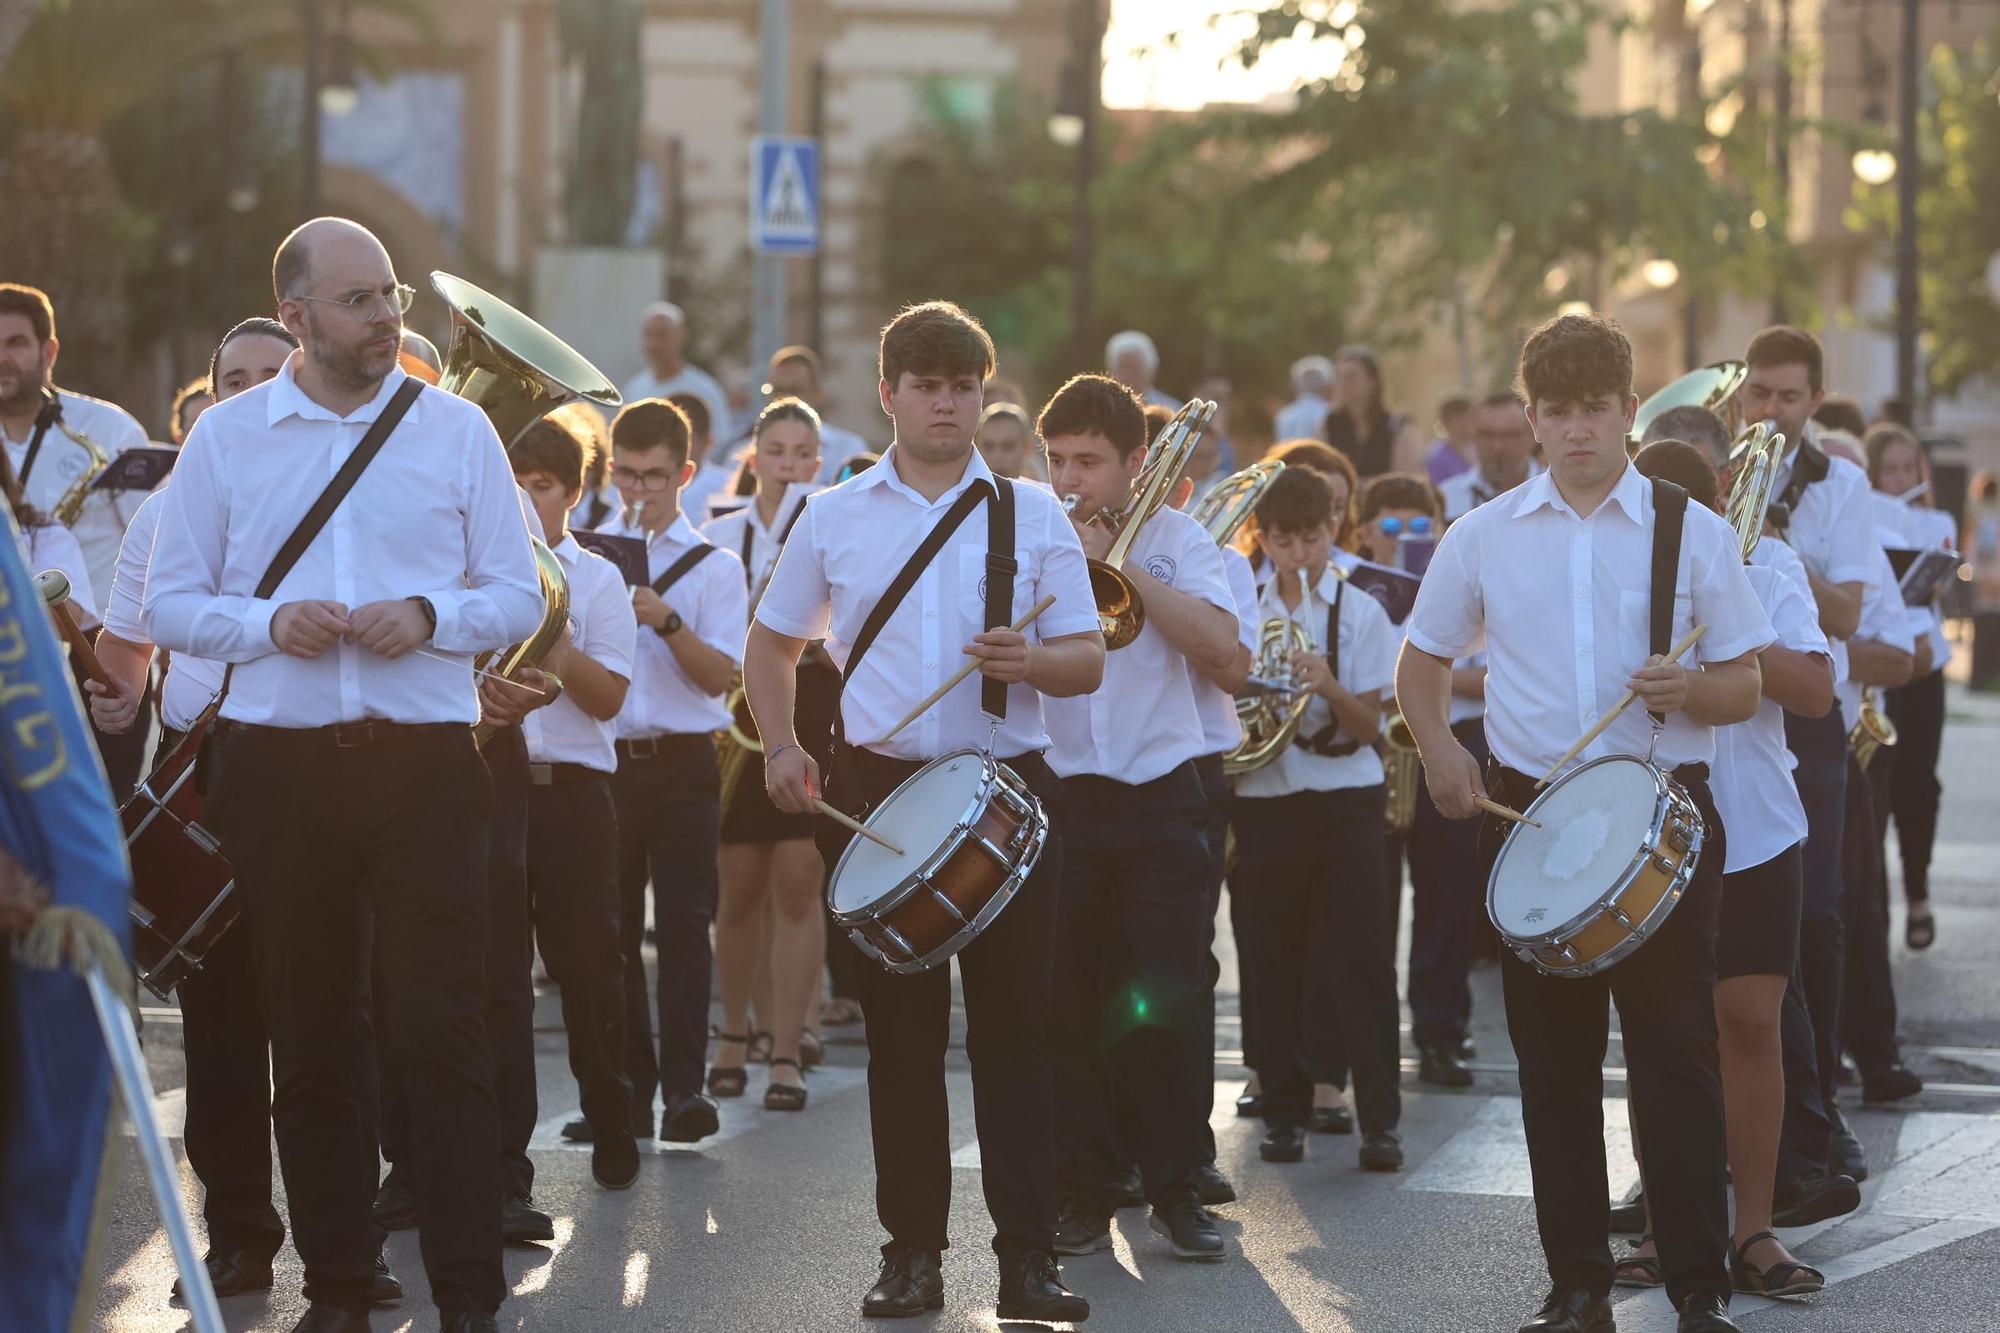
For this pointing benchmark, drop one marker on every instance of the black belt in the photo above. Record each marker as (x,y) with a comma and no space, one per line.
(661,747)
(559,774)
(346,735)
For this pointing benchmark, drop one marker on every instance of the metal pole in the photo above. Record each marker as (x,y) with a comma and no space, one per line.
(1909,178)
(1690,101)
(816,266)
(1781,152)
(312,30)
(1089,38)
(774,74)
(220,291)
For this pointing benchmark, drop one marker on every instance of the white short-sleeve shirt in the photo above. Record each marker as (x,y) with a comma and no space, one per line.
(1832,526)
(1563,605)
(1463,492)
(714,606)
(756,545)
(1913,527)
(1142,723)
(847,549)
(1885,619)
(602,628)
(1368,644)
(100,524)
(1221,732)
(191,682)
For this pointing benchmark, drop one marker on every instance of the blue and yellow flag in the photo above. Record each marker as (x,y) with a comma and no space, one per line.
(57,823)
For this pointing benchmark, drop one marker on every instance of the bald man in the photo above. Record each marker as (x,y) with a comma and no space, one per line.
(351,799)
(663,341)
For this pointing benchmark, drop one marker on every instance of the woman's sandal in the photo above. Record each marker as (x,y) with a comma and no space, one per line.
(1639,1270)
(759,1049)
(811,1051)
(1920,931)
(1787,1277)
(728,1080)
(783,1096)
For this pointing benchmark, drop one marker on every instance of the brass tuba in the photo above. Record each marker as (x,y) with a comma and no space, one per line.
(1402,770)
(1712,386)
(1120,613)
(65,466)
(517,372)
(1871,731)
(1225,508)
(1272,703)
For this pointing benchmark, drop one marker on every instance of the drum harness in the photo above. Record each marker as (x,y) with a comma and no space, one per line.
(1670,504)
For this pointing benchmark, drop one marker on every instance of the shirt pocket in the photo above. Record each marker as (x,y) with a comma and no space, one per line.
(1635,625)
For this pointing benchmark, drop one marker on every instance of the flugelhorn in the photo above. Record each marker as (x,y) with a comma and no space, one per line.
(1232,500)
(1871,731)
(1402,770)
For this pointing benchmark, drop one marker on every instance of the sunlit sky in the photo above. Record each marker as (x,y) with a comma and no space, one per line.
(1144,66)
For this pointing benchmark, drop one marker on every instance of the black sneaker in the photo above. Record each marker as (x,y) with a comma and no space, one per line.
(521,1221)
(1382,1152)
(1442,1067)
(1845,1157)
(1128,1189)
(1284,1143)
(384,1288)
(910,1282)
(232,1273)
(614,1161)
(1249,1105)
(1188,1227)
(1082,1228)
(396,1201)
(1816,1198)
(689,1117)
(1892,1084)
(578,1130)
(1211,1186)
(1032,1288)
(1332,1120)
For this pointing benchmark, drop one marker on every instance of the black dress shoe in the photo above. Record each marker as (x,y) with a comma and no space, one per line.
(1249,1105)
(1128,1190)
(464,1321)
(1188,1227)
(1706,1312)
(1083,1227)
(1801,1203)
(1382,1152)
(233,1273)
(1332,1120)
(614,1161)
(1031,1288)
(384,1288)
(578,1130)
(1629,1218)
(1211,1186)
(689,1117)
(911,1282)
(521,1221)
(1844,1156)
(1283,1143)
(1892,1084)
(1572,1310)
(1442,1067)
(323,1318)
(396,1201)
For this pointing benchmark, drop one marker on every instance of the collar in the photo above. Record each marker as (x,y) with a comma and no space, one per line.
(1326,588)
(680,532)
(569,550)
(794,497)
(1629,495)
(884,474)
(287,399)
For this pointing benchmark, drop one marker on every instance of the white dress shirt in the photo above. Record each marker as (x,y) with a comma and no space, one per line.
(602,628)
(840,560)
(1913,527)
(707,488)
(53,546)
(100,525)
(836,446)
(436,514)
(1463,492)
(1752,778)
(1832,526)
(713,606)
(1304,418)
(1563,605)
(191,682)
(743,533)
(1220,730)
(690,378)
(1886,619)
(1142,724)
(1368,644)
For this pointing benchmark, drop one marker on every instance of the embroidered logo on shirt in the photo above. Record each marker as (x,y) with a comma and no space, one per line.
(1162,567)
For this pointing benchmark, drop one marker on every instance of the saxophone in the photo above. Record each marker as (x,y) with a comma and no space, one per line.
(1402,770)
(66,465)
(1871,731)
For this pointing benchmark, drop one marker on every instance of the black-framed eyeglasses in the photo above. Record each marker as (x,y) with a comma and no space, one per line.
(652,482)
(362,304)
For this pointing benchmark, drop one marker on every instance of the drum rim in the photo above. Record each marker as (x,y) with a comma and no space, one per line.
(947,848)
(1663,785)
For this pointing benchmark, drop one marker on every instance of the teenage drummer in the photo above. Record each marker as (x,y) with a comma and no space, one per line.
(902,569)
(1557,580)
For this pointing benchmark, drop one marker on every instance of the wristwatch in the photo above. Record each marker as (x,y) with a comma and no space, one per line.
(673,625)
(430,612)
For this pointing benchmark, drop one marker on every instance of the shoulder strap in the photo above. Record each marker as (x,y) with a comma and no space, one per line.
(1321,742)
(1809,466)
(1670,504)
(1000,570)
(689,558)
(50,414)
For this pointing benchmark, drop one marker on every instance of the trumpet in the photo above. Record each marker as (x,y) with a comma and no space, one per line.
(1872,730)
(1273,702)
(1403,769)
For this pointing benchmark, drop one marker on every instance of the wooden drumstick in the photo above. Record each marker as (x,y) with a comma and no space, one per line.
(966,670)
(1624,702)
(53,584)
(848,821)
(1492,807)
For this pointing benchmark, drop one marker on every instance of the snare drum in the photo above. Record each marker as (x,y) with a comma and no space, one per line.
(970,831)
(183,890)
(1617,846)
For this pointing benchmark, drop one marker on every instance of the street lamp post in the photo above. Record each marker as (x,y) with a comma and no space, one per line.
(1909,177)
(1086,77)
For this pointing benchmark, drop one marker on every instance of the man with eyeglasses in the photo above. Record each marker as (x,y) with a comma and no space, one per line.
(1503,447)
(352,801)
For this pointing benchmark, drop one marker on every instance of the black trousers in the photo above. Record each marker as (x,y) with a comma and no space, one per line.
(323,839)
(573,889)
(1820,746)
(1917,709)
(510,982)
(1868,1006)
(1666,1010)
(1215,789)
(1448,901)
(1134,927)
(1308,866)
(1006,977)
(669,822)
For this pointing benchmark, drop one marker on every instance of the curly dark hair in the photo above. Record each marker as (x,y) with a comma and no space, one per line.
(936,338)
(1576,357)
(1096,405)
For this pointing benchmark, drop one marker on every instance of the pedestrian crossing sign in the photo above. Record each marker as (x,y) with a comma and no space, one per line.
(784,195)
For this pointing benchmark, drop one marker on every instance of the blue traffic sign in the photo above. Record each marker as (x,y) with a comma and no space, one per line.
(784,195)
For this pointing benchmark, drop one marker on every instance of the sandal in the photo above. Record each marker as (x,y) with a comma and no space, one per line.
(1920,931)
(728,1080)
(811,1050)
(783,1096)
(758,1051)
(1639,1270)
(1787,1277)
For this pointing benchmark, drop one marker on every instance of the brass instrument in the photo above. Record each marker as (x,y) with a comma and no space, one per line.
(1403,769)
(1229,504)
(1712,386)
(1120,613)
(67,463)
(517,372)
(1273,702)
(1871,731)
(1753,470)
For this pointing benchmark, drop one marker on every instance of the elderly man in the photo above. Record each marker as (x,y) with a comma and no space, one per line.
(1133,360)
(663,340)
(1304,418)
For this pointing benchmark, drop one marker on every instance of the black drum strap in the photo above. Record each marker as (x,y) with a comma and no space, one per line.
(1000,570)
(1670,504)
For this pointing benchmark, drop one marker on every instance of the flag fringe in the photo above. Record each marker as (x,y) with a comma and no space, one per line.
(78,940)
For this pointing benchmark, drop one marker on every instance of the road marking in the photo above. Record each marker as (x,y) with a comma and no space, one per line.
(637,1267)
(738,1116)
(538,1277)
(1490,1154)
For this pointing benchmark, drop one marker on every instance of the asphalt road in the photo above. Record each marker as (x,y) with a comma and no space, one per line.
(770,1226)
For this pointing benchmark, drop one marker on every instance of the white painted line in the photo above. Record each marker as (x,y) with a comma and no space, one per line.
(1490,1155)
(739,1115)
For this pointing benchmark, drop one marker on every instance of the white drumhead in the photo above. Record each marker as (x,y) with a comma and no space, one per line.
(1594,820)
(916,817)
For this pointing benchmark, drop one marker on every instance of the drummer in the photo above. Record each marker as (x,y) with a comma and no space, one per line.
(898,627)
(1556,578)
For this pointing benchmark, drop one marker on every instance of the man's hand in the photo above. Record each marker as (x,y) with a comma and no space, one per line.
(1661,685)
(792,781)
(1313,672)
(646,604)
(112,711)
(1096,538)
(307,629)
(505,702)
(1002,654)
(1454,779)
(389,629)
